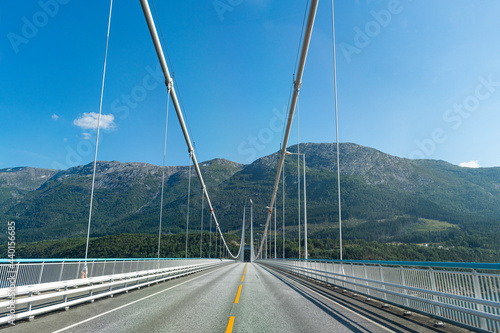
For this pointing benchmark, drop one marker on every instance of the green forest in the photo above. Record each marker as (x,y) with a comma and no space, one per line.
(174,246)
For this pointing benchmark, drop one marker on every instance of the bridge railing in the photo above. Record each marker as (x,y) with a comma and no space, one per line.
(37,271)
(34,287)
(466,294)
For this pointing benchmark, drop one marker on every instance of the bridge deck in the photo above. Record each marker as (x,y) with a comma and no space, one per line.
(204,302)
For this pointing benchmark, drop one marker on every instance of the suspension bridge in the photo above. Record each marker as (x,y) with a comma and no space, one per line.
(266,294)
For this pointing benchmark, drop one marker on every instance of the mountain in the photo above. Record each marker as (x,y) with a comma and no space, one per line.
(126,198)
(384,198)
(15,182)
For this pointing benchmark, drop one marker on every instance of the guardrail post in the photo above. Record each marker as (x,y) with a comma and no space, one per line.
(65,297)
(41,273)
(382,280)
(342,272)
(355,287)
(61,273)
(91,290)
(78,270)
(437,309)
(403,284)
(478,295)
(324,266)
(114,265)
(28,306)
(331,269)
(366,277)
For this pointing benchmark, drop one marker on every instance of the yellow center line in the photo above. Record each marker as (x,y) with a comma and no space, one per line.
(230,324)
(229,328)
(238,295)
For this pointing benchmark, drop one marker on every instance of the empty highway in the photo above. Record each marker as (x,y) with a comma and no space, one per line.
(235,297)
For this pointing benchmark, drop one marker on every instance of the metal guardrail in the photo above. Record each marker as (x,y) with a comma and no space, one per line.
(36,271)
(462,296)
(47,285)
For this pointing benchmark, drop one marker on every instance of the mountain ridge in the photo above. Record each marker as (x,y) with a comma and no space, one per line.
(378,190)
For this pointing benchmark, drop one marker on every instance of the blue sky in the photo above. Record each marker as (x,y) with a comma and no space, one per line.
(416,79)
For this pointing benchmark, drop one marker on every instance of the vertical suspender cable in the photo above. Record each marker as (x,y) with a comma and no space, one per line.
(201,226)
(305,207)
(189,195)
(275,250)
(210,243)
(283,182)
(163,174)
(84,273)
(252,251)
(337,130)
(270,242)
(298,169)
(242,245)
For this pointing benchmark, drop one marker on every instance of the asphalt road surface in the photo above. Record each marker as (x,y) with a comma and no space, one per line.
(232,298)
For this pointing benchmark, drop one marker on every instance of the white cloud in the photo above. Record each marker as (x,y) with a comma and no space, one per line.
(89,121)
(86,136)
(55,116)
(470,164)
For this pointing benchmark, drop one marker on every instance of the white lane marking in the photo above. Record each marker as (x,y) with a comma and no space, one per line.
(123,306)
(340,305)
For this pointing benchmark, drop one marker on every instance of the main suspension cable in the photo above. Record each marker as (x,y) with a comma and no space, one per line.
(175,101)
(298,84)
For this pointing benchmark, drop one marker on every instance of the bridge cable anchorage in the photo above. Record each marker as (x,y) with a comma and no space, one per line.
(84,271)
(337,130)
(169,86)
(300,72)
(189,195)
(175,101)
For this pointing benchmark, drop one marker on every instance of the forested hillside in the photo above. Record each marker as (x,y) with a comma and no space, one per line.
(384,198)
